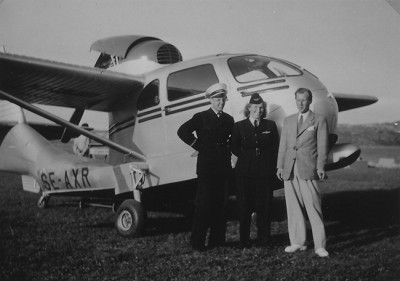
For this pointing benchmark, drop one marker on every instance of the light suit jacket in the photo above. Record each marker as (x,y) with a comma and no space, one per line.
(309,146)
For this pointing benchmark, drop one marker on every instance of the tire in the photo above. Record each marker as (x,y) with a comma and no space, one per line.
(130,218)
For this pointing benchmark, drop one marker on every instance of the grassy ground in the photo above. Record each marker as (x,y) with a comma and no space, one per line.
(361,209)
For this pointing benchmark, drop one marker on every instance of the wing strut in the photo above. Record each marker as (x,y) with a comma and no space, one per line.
(69,125)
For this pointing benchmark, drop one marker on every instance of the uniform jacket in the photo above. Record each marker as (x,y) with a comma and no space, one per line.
(309,146)
(244,144)
(212,142)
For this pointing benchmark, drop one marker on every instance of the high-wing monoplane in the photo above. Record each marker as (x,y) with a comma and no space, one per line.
(148,92)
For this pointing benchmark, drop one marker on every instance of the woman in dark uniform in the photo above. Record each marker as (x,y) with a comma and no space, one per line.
(255,142)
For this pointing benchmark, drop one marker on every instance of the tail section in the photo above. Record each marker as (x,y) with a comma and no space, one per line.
(11,113)
(26,152)
(23,149)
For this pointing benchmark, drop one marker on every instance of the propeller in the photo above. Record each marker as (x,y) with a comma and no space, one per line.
(75,119)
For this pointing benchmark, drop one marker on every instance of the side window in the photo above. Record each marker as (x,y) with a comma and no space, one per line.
(149,96)
(191,81)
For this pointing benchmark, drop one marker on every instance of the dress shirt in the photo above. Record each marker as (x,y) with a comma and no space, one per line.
(252,121)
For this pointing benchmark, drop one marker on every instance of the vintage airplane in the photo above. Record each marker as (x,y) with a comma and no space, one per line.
(148,92)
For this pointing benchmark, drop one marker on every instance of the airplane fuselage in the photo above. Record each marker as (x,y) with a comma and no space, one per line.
(148,92)
(173,93)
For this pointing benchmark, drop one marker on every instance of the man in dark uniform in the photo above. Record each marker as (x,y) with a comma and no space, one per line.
(255,142)
(213,129)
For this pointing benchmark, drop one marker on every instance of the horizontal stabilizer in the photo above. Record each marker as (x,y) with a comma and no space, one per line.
(30,184)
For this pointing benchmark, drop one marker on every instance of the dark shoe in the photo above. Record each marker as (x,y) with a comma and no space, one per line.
(198,248)
(244,245)
(212,245)
(262,243)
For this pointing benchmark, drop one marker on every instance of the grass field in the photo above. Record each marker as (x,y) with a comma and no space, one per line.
(63,242)
(373,153)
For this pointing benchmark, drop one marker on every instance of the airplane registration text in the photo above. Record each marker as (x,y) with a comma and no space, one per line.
(72,179)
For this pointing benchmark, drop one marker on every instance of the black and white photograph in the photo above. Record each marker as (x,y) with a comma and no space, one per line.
(199,140)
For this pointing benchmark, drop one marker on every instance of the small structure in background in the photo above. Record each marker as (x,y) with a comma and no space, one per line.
(396,126)
(389,163)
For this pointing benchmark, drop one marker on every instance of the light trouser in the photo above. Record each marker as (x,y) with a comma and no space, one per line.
(303,195)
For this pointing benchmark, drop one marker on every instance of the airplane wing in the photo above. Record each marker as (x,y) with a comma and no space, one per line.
(52,83)
(395,5)
(349,101)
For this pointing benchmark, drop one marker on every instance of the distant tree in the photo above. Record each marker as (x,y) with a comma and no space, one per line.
(387,134)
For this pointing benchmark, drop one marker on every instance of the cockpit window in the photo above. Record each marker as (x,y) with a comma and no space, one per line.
(253,68)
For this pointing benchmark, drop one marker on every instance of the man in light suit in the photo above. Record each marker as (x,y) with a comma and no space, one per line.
(302,156)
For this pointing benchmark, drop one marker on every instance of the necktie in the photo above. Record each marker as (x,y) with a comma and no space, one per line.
(219,114)
(300,123)
(255,124)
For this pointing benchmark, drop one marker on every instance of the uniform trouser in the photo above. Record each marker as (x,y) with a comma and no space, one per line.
(303,195)
(254,195)
(210,208)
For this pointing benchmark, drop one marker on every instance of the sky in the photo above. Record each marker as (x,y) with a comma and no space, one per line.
(351,45)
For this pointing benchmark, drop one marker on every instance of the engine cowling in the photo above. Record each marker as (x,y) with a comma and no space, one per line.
(134,48)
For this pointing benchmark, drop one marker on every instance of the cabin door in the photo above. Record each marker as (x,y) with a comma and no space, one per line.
(149,134)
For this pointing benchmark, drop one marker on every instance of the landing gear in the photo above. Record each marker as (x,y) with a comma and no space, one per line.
(130,218)
(83,204)
(43,201)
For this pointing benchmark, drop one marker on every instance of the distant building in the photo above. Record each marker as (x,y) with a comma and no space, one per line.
(389,163)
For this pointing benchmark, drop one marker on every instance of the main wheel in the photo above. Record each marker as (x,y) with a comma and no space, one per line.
(129,218)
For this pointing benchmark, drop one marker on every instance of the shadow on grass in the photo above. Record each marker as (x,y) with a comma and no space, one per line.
(155,226)
(355,218)
(364,208)
(166,225)
(360,217)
